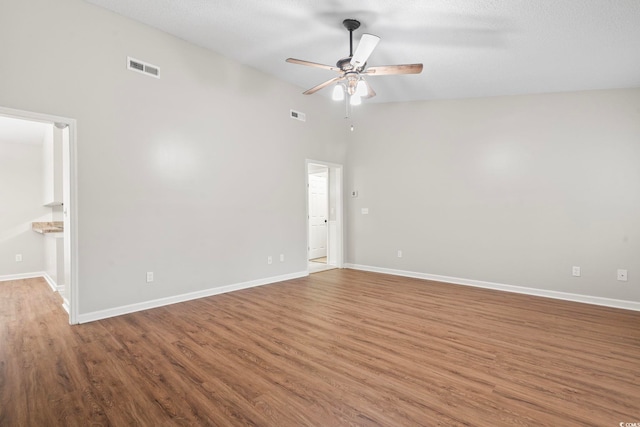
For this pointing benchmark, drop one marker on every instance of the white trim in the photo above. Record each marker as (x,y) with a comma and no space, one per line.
(22,276)
(50,281)
(146,305)
(72,207)
(587,299)
(65,305)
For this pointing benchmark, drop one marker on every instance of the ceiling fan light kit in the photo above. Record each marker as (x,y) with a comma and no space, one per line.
(350,83)
(338,92)
(362,89)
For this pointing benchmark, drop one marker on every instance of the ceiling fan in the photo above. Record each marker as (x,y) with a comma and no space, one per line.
(353,68)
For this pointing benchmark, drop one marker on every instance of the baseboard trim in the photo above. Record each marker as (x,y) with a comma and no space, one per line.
(50,281)
(21,276)
(587,299)
(65,305)
(132,308)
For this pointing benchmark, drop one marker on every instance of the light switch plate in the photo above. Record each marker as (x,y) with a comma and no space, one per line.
(365,211)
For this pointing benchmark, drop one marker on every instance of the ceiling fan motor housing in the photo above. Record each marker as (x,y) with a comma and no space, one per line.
(345,65)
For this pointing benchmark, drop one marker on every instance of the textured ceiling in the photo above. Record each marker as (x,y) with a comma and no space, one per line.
(469,48)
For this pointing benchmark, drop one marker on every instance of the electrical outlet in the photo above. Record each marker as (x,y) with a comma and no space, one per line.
(18,257)
(399,254)
(269,259)
(622,275)
(149,276)
(575,271)
(281,257)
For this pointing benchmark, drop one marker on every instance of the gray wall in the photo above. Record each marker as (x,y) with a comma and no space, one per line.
(21,204)
(512,190)
(197,176)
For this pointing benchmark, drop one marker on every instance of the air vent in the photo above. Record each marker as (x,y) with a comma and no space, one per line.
(154,71)
(298,115)
(143,67)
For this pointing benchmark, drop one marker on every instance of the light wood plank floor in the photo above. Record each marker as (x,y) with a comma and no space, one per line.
(340,347)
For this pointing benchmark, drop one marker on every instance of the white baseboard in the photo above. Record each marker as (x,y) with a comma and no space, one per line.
(50,281)
(118,311)
(22,276)
(65,305)
(587,299)
(56,288)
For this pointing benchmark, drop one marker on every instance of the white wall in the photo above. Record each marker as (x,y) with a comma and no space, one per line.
(54,259)
(21,204)
(511,190)
(197,176)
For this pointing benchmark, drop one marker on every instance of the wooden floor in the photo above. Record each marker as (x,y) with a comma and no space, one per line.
(337,348)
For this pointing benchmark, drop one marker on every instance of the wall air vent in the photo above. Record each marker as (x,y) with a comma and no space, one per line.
(298,115)
(143,67)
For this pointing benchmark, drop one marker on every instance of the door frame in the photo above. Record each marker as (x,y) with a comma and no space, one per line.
(336,191)
(70,187)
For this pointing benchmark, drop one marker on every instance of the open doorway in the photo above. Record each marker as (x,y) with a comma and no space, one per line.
(324,216)
(58,145)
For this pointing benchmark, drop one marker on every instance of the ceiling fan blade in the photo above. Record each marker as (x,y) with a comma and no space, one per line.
(368,42)
(384,70)
(322,85)
(366,92)
(312,64)
(371,93)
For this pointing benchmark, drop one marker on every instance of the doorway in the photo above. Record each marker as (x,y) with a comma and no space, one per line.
(324,216)
(318,213)
(65,211)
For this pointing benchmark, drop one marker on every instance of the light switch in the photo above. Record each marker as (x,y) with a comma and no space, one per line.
(365,211)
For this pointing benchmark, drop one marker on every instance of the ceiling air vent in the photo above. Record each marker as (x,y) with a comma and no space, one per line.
(298,115)
(143,67)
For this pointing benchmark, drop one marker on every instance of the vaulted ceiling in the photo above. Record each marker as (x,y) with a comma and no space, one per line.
(469,48)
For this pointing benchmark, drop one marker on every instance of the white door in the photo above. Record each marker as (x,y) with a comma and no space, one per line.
(318,214)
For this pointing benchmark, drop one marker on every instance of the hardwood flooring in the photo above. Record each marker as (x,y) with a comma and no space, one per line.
(337,348)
